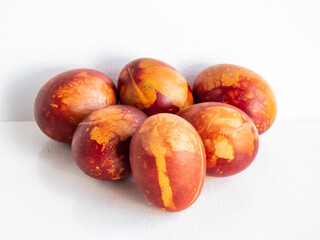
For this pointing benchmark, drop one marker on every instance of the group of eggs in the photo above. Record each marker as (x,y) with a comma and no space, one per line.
(168,143)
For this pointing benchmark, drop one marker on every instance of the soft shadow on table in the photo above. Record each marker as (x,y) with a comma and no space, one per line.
(190,70)
(111,65)
(58,170)
(24,83)
(22,90)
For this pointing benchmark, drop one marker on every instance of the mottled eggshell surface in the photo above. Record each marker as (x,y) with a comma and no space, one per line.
(64,101)
(100,145)
(230,137)
(154,87)
(168,161)
(239,87)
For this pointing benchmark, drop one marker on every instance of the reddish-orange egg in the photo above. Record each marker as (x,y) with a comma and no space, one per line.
(64,101)
(153,87)
(239,87)
(230,138)
(168,161)
(100,145)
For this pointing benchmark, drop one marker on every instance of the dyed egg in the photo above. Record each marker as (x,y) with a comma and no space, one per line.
(239,87)
(230,138)
(168,161)
(64,101)
(100,145)
(154,87)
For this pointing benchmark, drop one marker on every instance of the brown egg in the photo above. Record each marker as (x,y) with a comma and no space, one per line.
(168,161)
(100,145)
(230,137)
(154,87)
(239,87)
(64,101)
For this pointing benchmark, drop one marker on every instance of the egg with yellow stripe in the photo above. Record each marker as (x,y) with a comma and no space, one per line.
(168,161)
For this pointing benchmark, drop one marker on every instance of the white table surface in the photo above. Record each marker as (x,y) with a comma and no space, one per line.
(45,196)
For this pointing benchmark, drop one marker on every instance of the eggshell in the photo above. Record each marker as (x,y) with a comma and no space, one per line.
(241,88)
(100,145)
(230,137)
(65,100)
(153,87)
(168,161)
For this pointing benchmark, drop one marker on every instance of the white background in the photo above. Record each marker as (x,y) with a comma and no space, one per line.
(279,39)
(43,193)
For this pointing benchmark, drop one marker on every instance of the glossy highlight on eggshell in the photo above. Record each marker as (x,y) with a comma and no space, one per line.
(154,87)
(65,100)
(230,138)
(241,88)
(100,145)
(168,161)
